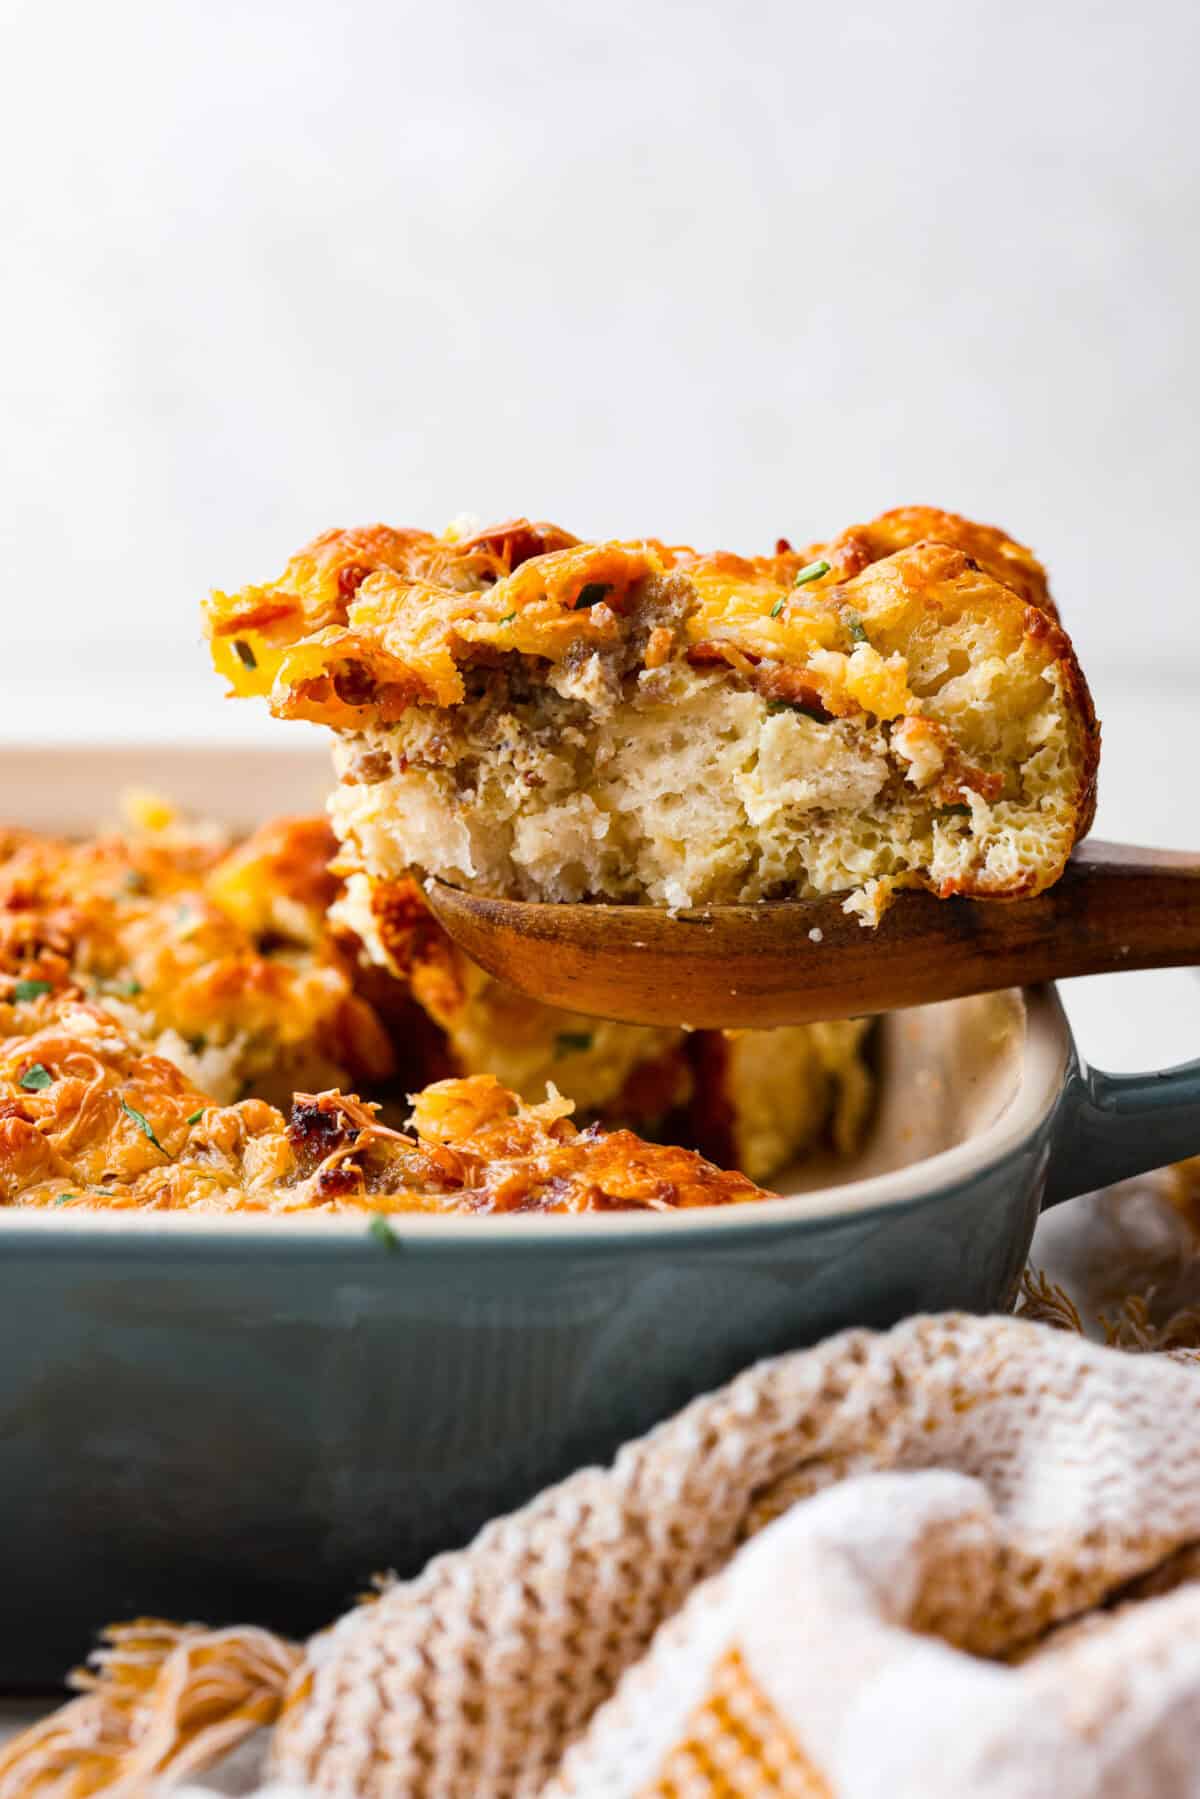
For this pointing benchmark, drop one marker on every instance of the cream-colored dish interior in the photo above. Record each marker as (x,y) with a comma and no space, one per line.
(946,1073)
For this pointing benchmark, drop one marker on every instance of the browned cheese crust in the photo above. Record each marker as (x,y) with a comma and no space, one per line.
(224,955)
(415,600)
(89,1118)
(991,549)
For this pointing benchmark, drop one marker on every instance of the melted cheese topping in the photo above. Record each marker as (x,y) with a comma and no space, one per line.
(90,1117)
(364,624)
(222,956)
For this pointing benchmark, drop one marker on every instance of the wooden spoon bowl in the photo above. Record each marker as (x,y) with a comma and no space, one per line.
(795,961)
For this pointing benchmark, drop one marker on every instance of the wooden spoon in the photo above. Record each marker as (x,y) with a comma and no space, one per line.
(792,961)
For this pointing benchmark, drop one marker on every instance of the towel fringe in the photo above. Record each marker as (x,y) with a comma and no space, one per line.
(157,1701)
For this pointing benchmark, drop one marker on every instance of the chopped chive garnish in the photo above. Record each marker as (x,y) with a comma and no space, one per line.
(244,653)
(127,989)
(143,1124)
(812,572)
(36,1078)
(507,619)
(592,594)
(566,1041)
(381,1232)
(60,1199)
(196,1116)
(856,628)
(30,990)
(776,609)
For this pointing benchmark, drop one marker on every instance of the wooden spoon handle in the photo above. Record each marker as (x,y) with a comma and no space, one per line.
(791,962)
(1115,907)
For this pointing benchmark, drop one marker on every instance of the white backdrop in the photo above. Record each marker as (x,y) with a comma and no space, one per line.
(718,272)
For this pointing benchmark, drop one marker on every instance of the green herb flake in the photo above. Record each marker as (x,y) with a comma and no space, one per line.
(29,990)
(381,1232)
(592,594)
(776,609)
(244,653)
(36,1078)
(856,628)
(127,989)
(196,1116)
(143,1124)
(507,619)
(811,572)
(60,1199)
(566,1041)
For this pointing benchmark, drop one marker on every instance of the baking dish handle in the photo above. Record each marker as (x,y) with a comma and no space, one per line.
(1111,1126)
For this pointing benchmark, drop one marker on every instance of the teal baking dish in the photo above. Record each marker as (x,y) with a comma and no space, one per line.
(244,1418)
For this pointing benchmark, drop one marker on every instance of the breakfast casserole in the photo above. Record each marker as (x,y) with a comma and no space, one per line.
(245,966)
(92,1117)
(528,715)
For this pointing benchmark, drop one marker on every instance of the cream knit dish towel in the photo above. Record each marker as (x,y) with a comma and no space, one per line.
(950,1560)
